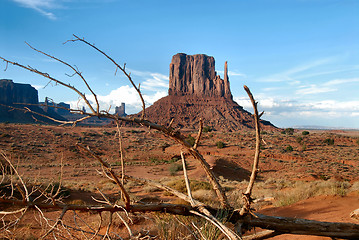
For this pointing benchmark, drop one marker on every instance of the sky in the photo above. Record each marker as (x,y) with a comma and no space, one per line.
(300,58)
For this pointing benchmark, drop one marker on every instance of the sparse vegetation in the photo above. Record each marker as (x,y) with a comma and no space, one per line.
(175,167)
(288,131)
(220,144)
(289,149)
(191,140)
(329,141)
(305,133)
(207,129)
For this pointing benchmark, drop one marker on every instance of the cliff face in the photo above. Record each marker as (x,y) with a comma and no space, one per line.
(197,92)
(196,75)
(19,95)
(11,93)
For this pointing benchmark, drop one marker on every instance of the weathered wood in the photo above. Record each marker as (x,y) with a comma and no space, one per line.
(288,225)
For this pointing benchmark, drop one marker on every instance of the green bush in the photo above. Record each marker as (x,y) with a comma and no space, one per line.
(329,141)
(289,148)
(220,144)
(195,185)
(175,167)
(191,140)
(305,133)
(207,129)
(288,131)
(299,139)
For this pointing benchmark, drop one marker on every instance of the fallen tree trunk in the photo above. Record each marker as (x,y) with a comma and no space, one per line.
(281,225)
(287,225)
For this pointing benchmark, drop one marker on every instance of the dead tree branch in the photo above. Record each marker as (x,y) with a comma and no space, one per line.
(247,194)
(76,71)
(118,66)
(113,175)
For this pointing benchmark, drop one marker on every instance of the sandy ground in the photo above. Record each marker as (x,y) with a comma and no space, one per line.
(39,150)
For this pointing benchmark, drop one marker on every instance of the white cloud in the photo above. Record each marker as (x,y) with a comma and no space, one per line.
(341,81)
(152,81)
(40,6)
(293,109)
(124,94)
(290,75)
(314,89)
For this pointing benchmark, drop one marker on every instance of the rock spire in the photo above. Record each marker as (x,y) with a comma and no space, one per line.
(195,75)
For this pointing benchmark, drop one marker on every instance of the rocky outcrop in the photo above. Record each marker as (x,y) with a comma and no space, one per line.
(17,93)
(197,92)
(220,114)
(196,75)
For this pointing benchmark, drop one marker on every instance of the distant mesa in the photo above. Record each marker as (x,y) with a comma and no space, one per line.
(50,107)
(197,92)
(11,93)
(18,95)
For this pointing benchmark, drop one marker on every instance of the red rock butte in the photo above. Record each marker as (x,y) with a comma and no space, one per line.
(197,92)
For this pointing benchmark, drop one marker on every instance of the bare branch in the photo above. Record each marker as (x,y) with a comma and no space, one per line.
(112,173)
(199,133)
(117,66)
(189,192)
(59,219)
(76,72)
(26,195)
(121,151)
(247,194)
(46,75)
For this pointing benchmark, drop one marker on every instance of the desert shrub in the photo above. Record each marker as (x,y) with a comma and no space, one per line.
(289,148)
(288,131)
(155,160)
(180,185)
(207,129)
(329,141)
(220,144)
(105,133)
(191,140)
(175,167)
(304,147)
(299,139)
(302,191)
(305,133)
(4,135)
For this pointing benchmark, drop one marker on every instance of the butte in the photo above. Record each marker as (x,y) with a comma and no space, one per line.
(197,92)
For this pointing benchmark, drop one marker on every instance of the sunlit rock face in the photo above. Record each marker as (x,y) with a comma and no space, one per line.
(196,75)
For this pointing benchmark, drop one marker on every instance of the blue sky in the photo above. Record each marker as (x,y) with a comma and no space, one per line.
(300,58)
